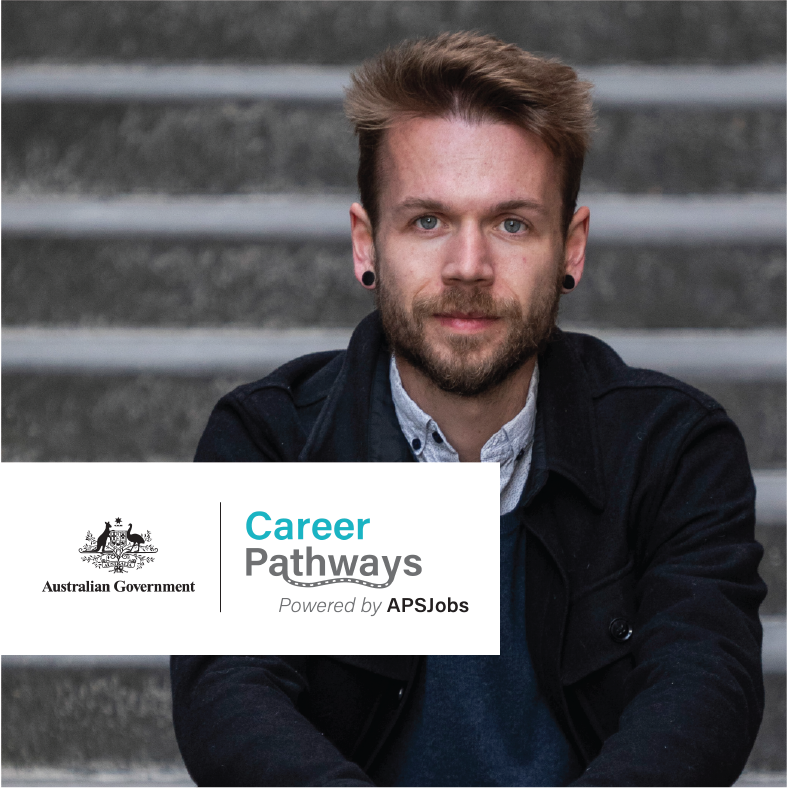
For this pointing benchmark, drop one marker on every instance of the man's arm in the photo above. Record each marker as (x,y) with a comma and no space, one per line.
(695,695)
(237,723)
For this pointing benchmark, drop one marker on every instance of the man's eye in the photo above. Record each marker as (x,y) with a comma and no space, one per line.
(513,225)
(426,222)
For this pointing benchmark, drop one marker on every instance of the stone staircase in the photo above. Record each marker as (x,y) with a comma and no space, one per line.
(175,183)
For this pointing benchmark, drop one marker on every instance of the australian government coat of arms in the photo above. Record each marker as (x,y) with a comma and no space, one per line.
(118,549)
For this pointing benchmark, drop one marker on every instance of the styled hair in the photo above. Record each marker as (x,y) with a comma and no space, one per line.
(472,77)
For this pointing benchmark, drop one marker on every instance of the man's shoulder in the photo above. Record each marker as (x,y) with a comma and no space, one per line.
(270,418)
(609,376)
(600,416)
(273,419)
(303,381)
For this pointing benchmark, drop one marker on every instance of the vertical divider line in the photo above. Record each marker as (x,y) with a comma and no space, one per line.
(219,556)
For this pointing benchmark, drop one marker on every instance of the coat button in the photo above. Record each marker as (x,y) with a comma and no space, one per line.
(401,694)
(620,630)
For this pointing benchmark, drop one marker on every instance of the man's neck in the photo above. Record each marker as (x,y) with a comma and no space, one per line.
(468,422)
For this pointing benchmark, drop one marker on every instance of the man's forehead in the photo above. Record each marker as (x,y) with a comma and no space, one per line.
(430,158)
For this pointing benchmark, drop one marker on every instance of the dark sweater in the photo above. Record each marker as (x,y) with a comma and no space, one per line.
(481,720)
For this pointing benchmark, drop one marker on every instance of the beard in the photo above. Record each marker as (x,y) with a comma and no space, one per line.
(468,365)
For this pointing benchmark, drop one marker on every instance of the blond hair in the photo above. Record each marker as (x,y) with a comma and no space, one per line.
(473,77)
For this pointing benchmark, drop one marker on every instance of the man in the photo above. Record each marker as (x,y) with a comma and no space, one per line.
(630,643)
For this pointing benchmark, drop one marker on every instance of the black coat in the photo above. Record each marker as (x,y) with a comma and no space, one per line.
(641,579)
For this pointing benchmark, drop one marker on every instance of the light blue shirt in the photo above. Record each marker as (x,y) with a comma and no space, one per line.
(511,445)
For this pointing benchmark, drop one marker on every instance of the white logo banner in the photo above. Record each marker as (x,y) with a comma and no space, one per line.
(352,558)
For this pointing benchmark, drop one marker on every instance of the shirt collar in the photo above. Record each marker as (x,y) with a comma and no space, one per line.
(565,408)
(510,442)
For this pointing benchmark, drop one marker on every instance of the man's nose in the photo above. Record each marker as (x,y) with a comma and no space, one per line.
(468,257)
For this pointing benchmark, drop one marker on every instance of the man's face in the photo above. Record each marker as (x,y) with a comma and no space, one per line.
(468,252)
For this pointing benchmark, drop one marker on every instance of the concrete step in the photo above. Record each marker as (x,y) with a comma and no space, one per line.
(70,417)
(152,283)
(710,286)
(67,778)
(107,719)
(759,410)
(263,146)
(342,32)
(745,85)
(773,568)
(174,777)
(310,284)
(107,418)
(720,355)
(200,148)
(679,151)
(150,777)
(688,220)
(613,86)
(768,754)
(88,718)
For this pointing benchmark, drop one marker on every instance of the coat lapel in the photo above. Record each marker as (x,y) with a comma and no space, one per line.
(565,407)
(358,422)
(565,444)
(341,431)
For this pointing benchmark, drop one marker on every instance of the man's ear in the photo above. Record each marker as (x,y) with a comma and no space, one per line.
(576,242)
(363,242)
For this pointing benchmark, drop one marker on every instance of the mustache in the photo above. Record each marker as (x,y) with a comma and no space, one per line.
(479,303)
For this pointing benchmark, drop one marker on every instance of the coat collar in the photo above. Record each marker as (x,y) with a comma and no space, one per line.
(358,415)
(565,408)
(358,422)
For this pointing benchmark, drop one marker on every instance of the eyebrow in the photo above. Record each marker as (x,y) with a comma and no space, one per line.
(513,205)
(413,203)
(439,207)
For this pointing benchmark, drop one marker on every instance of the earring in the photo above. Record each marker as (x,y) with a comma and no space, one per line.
(368,278)
(568,282)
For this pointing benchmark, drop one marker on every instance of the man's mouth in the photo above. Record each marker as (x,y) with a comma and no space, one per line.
(465,322)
